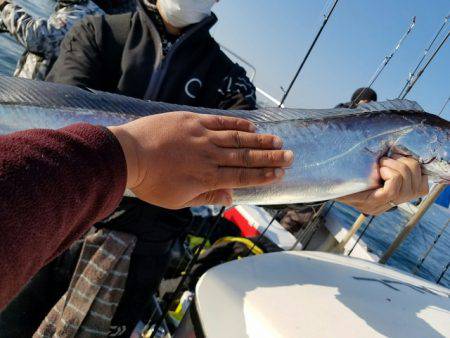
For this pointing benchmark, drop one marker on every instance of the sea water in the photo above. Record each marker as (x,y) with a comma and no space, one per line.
(384,228)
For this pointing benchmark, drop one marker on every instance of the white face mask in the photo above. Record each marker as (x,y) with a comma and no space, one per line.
(182,13)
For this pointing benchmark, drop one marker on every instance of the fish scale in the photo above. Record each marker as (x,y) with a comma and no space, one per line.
(336,150)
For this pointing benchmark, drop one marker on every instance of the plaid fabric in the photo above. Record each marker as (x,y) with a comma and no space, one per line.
(87,308)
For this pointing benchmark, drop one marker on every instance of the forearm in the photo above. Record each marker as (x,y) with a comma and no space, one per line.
(54,185)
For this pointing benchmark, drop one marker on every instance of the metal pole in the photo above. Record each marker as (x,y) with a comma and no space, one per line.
(324,23)
(423,207)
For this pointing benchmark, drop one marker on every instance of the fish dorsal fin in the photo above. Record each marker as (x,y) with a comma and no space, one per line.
(48,95)
(391,105)
(285,114)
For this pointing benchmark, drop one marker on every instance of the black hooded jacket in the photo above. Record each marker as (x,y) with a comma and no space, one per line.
(124,54)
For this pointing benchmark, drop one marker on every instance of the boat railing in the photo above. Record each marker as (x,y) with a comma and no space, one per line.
(413,221)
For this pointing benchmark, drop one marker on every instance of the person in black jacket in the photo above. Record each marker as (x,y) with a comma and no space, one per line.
(146,56)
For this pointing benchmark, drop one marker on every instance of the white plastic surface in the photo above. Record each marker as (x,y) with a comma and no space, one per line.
(313,294)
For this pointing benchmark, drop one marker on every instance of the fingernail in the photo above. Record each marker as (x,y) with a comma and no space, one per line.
(288,155)
(252,128)
(279,172)
(277,143)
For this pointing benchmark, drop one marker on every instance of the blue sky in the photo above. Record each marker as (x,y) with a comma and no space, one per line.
(275,35)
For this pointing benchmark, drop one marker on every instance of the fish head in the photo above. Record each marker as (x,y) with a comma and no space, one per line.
(429,143)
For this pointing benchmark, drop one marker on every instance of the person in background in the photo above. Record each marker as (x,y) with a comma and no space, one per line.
(360,96)
(41,38)
(162,52)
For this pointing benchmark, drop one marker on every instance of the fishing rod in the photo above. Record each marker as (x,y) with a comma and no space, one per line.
(445,105)
(425,255)
(386,60)
(422,70)
(180,285)
(261,235)
(427,49)
(443,273)
(324,23)
(361,235)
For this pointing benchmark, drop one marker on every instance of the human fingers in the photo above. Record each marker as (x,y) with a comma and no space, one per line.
(415,169)
(215,122)
(254,158)
(391,189)
(403,170)
(239,139)
(243,177)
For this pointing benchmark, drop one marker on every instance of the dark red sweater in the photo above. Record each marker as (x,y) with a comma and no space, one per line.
(53,186)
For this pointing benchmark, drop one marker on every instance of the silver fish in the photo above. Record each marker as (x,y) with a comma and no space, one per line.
(336,150)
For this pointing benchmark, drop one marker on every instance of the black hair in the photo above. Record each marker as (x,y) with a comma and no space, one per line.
(364,93)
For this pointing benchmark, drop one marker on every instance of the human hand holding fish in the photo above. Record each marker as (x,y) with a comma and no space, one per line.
(198,163)
(402,182)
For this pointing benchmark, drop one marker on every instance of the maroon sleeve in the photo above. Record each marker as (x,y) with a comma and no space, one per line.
(53,186)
